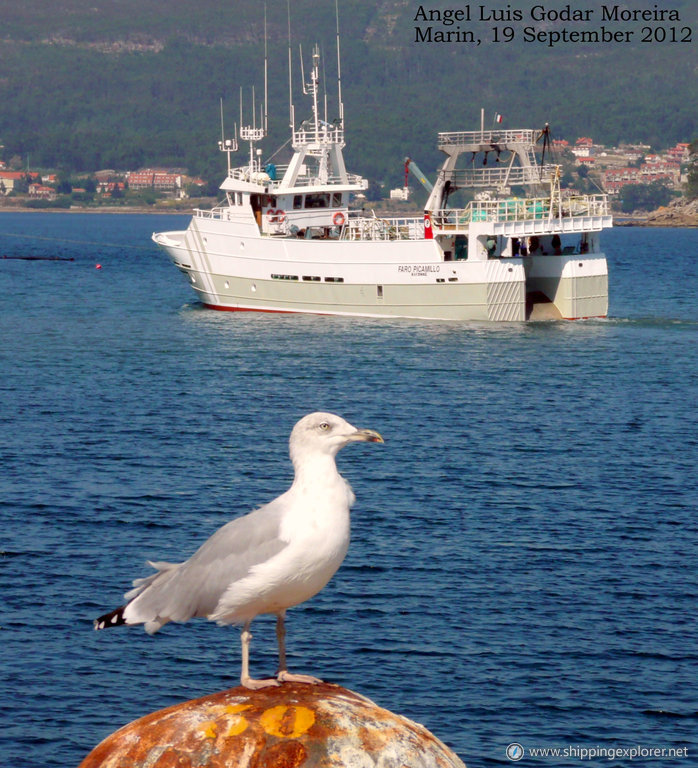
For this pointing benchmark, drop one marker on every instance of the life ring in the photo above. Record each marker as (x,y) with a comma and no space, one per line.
(271,215)
(428,231)
(280,216)
(338,219)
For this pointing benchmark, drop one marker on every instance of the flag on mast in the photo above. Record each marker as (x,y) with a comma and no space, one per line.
(497,118)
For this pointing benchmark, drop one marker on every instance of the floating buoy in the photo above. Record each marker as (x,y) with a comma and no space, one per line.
(98,266)
(295,725)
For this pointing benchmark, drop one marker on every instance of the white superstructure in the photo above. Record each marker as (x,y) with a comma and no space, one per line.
(284,239)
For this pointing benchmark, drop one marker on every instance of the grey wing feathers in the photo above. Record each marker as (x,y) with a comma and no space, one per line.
(140,584)
(179,591)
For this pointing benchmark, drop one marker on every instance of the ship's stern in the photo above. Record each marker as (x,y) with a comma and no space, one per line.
(576,286)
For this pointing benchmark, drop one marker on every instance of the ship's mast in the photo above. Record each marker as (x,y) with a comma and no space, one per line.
(312,87)
(339,70)
(266,75)
(252,133)
(291,111)
(317,143)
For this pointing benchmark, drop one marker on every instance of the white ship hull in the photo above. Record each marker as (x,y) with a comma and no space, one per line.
(402,279)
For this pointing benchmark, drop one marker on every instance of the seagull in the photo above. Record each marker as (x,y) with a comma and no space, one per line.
(267,561)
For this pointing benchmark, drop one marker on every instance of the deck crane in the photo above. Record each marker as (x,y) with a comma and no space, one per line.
(410,165)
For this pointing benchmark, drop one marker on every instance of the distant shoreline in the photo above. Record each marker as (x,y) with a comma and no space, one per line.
(75,209)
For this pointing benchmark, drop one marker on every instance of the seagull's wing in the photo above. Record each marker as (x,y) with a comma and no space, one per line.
(179,591)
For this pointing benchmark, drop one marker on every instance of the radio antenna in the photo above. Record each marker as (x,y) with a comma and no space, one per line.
(290,71)
(265,123)
(324,84)
(339,68)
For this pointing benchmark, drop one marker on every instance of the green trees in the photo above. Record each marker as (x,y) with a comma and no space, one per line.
(64,185)
(644,197)
(21,186)
(692,186)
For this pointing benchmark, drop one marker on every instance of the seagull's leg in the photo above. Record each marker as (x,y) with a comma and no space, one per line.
(245,678)
(283,675)
(281,639)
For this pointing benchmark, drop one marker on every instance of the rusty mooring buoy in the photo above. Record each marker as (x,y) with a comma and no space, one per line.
(293,726)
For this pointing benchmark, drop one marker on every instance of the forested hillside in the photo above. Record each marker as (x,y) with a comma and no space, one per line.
(88,84)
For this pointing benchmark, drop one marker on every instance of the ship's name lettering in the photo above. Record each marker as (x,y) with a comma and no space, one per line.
(419,270)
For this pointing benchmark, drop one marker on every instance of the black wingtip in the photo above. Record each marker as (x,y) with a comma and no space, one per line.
(111,619)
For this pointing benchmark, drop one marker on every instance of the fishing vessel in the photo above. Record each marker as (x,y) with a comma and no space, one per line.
(284,238)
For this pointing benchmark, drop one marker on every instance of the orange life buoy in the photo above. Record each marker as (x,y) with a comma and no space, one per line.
(338,219)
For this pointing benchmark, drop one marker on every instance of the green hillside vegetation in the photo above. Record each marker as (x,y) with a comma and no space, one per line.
(89,85)
(692,186)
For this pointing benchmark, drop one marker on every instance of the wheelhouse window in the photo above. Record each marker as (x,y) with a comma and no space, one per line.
(297,202)
(320,200)
(336,199)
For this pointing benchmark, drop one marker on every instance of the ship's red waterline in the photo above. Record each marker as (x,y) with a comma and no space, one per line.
(252,309)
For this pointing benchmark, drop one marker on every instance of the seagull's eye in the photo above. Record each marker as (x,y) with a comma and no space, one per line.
(324,426)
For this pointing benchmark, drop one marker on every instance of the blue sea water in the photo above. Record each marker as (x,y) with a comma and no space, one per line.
(524,558)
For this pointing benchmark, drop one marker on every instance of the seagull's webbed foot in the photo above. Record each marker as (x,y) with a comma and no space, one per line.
(284,676)
(255,685)
(245,679)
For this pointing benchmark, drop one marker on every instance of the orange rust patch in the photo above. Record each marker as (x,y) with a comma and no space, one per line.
(372,740)
(172,759)
(285,754)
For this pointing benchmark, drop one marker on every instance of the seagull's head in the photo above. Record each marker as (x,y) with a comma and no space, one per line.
(325,433)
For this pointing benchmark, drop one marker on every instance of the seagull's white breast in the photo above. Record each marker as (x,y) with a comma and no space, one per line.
(316,527)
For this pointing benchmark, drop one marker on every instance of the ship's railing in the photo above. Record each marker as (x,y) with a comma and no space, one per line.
(466,138)
(522,209)
(497,177)
(326,135)
(249,133)
(265,177)
(255,174)
(258,173)
(219,212)
(365,228)
(314,181)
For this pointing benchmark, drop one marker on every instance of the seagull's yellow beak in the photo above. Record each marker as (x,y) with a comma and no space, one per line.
(366,436)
